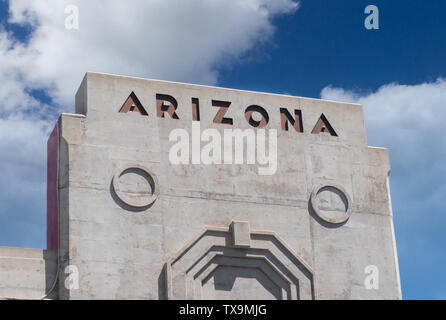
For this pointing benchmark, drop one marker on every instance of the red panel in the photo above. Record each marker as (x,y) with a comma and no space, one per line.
(52,189)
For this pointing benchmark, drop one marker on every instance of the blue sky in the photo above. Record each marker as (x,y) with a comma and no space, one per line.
(316,48)
(325,42)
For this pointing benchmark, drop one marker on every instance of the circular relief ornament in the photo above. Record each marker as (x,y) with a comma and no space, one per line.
(331,203)
(135,186)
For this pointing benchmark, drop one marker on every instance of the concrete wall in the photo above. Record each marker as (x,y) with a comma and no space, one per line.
(26,273)
(125,251)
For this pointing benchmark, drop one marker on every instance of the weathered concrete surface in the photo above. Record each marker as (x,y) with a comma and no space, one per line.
(26,273)
(121,252)
(135,226)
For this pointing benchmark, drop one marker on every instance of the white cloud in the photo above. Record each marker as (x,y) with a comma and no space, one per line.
(175,39)
(23,179)
(410,121)
(166,39)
